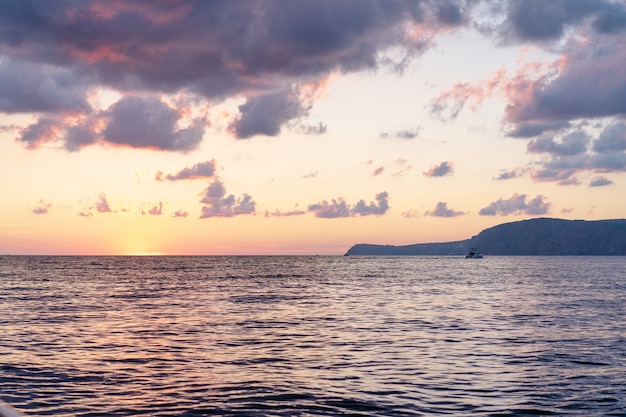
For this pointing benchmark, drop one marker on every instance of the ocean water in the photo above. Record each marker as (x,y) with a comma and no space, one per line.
(313,336)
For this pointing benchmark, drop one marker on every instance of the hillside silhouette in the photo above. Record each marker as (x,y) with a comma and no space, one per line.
(541,236)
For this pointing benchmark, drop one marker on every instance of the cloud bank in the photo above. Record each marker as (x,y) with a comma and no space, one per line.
(56,55)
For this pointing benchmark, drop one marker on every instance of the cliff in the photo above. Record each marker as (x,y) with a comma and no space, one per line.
(540,236)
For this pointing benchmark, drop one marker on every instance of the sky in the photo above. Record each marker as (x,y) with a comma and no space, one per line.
(185,127)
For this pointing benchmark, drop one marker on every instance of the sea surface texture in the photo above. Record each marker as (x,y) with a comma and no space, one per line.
(313,336)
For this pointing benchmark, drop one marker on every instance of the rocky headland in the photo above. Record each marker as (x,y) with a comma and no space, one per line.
(541,236)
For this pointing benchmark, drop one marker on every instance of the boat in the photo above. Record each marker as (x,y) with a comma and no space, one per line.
(473,253)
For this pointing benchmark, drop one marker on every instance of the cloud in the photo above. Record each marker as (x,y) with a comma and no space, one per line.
(150,123)
(79,136)
(410,214)
(588,81)
(448,105)
(407,134)
(612,139)
(102,206)
(544,21)
(517,204)
(278,213)
(442,210)
(440,170)
(449,13)
(310,175)
(155,210)
(531,129)
(42,131)
(204,169)
(264,115)
(36,87)
(54,57)
(42,207)
(575,151)
(558,106)
(378,171)
(318,129)
(600,181)
(339,208)
(218,204)
(571,144)
(510,174)
(180,213)
(564,176)
(404,167)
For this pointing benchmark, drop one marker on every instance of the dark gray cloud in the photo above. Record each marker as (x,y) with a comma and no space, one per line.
(600,181)
(55,53)
(132,121)
(557,106)
(576,151)
(573,143)
(449,13)
(204,169)
(517,204)
(149,123)
(544,21)
(442,210)
(339,208)
(265,115)
(28,87)
(588,82)
(532,129)
(440,170)
(612,139)
(217,204)
(79,136)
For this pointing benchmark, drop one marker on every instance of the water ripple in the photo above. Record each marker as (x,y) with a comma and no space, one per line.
(313,336)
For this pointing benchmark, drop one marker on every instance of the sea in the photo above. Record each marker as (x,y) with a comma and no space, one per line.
(313,336)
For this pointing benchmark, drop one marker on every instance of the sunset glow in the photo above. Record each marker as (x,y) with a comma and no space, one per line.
(141,128)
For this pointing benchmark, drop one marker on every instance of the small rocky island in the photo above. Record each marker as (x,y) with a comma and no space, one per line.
(541,236)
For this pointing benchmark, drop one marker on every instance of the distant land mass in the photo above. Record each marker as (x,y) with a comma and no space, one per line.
(541,236)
